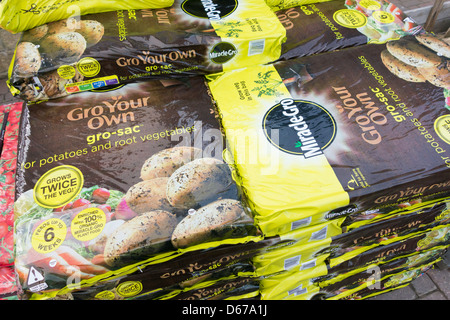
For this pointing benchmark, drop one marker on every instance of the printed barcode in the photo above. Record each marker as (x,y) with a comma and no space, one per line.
(256,47)
(291,262)
(300,223)
(319,235)
(297,291)
(308,265)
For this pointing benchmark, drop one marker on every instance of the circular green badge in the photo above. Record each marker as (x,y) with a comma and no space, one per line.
(88,224)
(58,186)
(383,17)
(129,288)
(49,235)
(105,295)
(442,128)
(370,4)
(66,72)
(88,67)
(350,18)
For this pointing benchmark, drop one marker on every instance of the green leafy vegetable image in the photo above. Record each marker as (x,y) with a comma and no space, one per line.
(267,86)
(231,29)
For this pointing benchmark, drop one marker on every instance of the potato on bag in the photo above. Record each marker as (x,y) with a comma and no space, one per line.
(209,223)
(28,59)
(439,76)
(435,44)
(92,31)
(165,162)
(67,46)
(198,181)
(98,244)
(35,34)
(413,53)
(148,195)
(147,233)
(61,26)
(401,69)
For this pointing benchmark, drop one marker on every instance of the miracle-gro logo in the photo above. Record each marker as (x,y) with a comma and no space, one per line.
(213,10)
(223,52)
(304,127)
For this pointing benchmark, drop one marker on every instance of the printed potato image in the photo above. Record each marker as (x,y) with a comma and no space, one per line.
(35,34)
(27,60)
(98,244)
(209,222)
(440,47)
(165,162)
(438,76)
(65,25)
(401,69)
(148,195)
(197,181)
(145,234)
(66,46)
(413,53)
(92,31)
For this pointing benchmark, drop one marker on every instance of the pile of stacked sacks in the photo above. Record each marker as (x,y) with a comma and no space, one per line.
(194,166)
